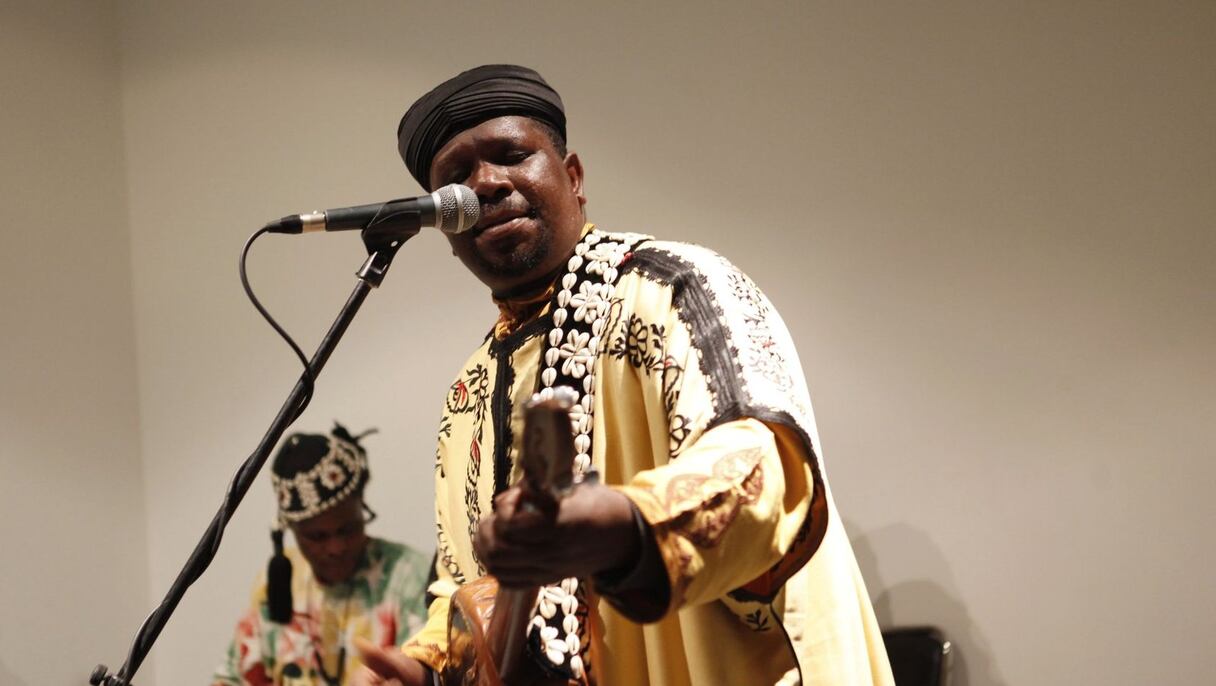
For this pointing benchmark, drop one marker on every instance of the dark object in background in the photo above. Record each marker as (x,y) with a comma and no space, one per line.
(920,656)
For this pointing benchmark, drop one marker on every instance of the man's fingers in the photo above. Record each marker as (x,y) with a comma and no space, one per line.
(518,520)
(594,529)
(526,576)
(504,503)
(497,552)
(366,677)
(508,528)
(384,662)
(526,528)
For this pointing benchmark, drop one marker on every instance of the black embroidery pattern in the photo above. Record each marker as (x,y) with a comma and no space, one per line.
(645,347)
(724,368)
(500,412)
(445,431)
(633,339)
(471,394)
(757,621)
(763,355)
(704,310)
(699,312)
(678,433)
(445,554)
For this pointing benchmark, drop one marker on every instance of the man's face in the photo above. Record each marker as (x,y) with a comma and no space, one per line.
(531,201)
(333,541)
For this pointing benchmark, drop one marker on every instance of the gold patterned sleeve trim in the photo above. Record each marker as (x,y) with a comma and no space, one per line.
(429,646)
(649,607)
(721,513)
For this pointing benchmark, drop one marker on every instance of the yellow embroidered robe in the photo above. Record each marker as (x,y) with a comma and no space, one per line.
(700,415)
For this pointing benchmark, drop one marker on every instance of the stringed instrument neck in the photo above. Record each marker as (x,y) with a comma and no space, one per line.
(488,624)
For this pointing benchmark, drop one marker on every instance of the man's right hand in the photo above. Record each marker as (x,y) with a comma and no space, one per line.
(387,667)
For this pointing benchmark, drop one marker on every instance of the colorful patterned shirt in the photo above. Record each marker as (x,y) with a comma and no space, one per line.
(384,602)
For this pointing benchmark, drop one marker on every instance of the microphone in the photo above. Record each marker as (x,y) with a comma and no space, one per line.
(451,209)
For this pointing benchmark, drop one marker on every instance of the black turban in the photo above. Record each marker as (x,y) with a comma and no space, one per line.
(468,99)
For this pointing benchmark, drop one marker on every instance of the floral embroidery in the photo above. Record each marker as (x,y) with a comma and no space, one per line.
(645,347)
(445,431)
(704,506)
(757,621)
(747,364)
(681,429)
(471,503)
(333,478)
(446,557)
(576,354)
(471,395)
(589,303)
(763,354)
(582,301)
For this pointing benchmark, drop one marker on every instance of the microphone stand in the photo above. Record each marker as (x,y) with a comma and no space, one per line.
(382,243)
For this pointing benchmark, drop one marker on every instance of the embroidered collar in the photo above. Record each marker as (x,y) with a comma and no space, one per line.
(514,313)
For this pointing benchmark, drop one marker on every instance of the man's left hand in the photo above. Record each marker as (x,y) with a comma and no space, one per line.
(593,532)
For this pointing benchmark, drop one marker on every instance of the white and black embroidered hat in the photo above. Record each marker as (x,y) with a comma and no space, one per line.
(312,472)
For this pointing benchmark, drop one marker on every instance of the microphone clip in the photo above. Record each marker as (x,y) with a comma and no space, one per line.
(383,239)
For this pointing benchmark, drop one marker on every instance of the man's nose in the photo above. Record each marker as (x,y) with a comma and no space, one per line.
(335,546)
(489,181)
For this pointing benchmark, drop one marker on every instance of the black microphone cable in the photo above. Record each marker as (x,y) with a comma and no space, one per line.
(309,377)
(209,546)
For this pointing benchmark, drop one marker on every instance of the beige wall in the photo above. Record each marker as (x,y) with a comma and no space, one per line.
(988,225)
(73,547)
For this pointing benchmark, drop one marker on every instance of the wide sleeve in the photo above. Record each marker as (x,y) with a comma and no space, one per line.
(731,490)
(724,513)
(429,645)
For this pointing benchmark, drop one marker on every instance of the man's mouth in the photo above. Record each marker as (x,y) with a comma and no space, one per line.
(501,221)
(338,570)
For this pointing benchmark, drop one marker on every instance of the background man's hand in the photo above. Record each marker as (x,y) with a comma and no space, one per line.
(387,667)
(594,532)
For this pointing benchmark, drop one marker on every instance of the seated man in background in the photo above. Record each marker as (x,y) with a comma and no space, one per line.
(341,583)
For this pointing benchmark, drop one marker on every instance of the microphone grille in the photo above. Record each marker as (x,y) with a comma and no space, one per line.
(457,209)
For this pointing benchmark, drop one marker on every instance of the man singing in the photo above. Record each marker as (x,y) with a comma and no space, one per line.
(709,550)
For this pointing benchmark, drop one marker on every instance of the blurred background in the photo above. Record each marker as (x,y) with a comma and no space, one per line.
(989,226)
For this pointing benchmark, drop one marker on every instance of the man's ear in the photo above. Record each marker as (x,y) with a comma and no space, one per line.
(574,169)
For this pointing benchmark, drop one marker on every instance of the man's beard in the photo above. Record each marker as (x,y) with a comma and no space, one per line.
(525,257)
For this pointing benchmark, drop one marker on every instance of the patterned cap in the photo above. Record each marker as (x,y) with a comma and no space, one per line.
(312,472)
